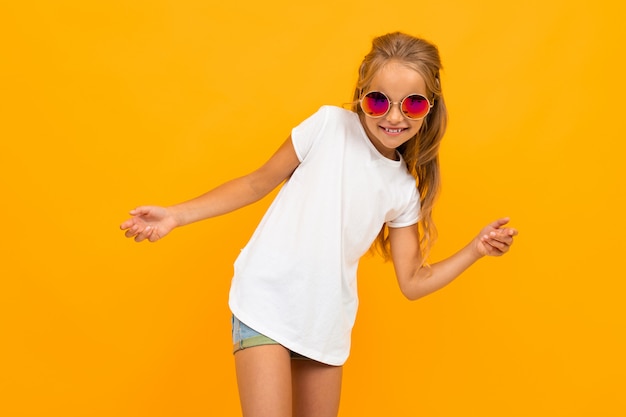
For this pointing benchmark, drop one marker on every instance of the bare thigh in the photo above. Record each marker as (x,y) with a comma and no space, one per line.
(316,388)
(264,381)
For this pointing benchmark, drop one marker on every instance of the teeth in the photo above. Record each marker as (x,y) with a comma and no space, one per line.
(393,130)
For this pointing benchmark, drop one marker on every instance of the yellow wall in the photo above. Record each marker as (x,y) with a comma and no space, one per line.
(109,104)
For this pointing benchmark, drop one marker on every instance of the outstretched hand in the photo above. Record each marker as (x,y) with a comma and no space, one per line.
(149,222)
(494,239)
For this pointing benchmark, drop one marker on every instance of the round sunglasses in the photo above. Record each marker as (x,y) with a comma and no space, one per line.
(375,104)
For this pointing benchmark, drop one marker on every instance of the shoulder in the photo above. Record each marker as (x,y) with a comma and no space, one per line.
(327,119)
(337,112)
(337,119)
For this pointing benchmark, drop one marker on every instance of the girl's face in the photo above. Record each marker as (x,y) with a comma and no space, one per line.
(387,133)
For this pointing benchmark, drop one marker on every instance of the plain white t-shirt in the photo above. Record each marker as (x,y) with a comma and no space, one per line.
(295,280)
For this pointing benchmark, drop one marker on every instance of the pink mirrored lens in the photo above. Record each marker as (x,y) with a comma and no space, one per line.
(375,104)
(415,106)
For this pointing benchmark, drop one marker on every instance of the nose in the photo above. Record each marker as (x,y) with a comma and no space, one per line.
(394,115)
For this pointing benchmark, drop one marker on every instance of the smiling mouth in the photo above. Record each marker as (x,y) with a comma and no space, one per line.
(393,131)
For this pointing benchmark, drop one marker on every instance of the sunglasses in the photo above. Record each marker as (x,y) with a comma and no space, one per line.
(376,104)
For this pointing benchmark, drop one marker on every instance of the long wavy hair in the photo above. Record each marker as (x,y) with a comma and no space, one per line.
(421,152)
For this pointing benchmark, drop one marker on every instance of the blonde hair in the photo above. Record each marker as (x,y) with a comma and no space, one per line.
(421,152)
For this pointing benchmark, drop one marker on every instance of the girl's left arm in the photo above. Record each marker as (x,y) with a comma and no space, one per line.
(416,280)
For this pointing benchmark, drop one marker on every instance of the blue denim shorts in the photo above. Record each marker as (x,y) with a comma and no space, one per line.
(245,337)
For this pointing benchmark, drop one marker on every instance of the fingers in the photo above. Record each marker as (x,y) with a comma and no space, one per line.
(138,229)
(500,222)
(132,227)
(145,224)
(499,241)
(140,211)
(141,233)
(153,235)
(127,224)
(145,234)
(137,212)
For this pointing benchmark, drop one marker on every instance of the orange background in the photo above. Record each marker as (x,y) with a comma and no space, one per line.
(111,104)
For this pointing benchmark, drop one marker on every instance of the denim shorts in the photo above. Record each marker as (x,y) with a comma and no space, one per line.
(245,337)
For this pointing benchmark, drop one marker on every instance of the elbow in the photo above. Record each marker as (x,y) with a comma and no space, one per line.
(416,285)
(412,294)
(411,285)
(412,297)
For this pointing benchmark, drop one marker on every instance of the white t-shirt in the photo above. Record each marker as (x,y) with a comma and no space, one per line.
(295,281)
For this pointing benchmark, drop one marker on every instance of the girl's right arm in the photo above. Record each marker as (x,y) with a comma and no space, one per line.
(153,222)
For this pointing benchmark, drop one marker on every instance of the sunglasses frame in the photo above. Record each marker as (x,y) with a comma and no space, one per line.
(391,103)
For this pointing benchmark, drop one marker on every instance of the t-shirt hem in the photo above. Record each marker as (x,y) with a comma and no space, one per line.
(327,360)
(405,224)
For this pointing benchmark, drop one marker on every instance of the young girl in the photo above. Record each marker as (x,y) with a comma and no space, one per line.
(352,178)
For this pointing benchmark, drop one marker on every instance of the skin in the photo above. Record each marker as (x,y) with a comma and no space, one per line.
(396,81)
(270,383)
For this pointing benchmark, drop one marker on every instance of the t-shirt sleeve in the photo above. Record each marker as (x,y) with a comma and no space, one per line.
(305,134)
(411,213)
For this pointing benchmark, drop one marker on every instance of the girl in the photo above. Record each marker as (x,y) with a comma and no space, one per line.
(352,178)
